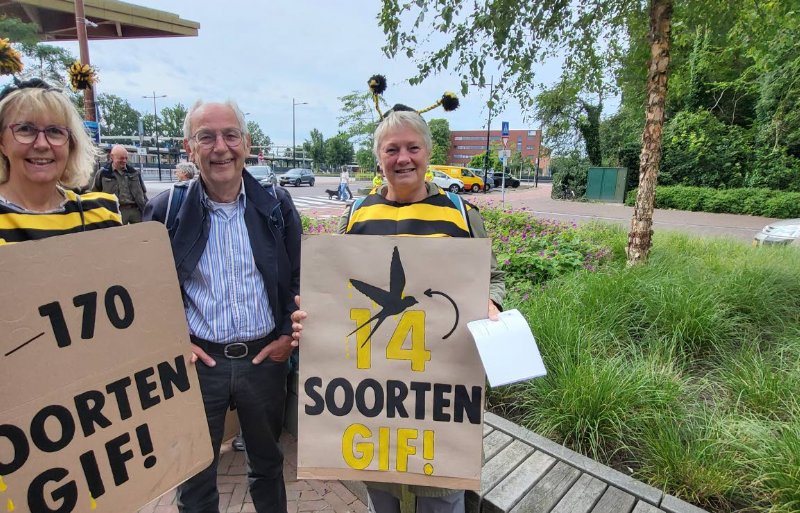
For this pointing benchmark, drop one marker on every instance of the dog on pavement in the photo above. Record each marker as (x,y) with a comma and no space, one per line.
(332,193)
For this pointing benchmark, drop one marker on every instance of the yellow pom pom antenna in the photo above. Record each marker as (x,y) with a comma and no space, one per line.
(10,59)
(81,76)
(377,84)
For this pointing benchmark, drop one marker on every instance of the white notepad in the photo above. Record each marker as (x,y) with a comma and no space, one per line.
(507,348)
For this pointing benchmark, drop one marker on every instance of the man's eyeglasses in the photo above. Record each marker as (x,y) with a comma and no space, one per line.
(25,133)
(208,138)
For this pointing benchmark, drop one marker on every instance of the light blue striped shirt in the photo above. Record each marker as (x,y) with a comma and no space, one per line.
(225,297)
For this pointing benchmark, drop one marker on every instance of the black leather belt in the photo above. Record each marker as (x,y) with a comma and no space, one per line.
(233,350)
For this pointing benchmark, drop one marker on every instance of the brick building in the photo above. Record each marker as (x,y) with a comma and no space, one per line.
(465,144)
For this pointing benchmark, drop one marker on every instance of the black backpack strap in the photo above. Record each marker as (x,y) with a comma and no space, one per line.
(176,196)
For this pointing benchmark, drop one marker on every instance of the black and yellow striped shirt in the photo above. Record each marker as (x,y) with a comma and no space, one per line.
(90,211)
(434,216)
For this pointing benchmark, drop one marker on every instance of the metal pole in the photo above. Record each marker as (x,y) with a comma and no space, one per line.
(294,162)
(488,126)
(83,43)
(158,151)
(155,115)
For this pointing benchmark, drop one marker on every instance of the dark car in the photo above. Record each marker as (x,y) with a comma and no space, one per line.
(510,180)
(263,174)
(297,176)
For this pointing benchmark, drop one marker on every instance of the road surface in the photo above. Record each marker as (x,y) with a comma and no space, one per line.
(315,201)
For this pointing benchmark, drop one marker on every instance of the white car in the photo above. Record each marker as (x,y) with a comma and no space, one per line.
(786,231)
(447,182)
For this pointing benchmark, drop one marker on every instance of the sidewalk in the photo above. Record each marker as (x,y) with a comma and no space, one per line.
(303,496)
(537,201)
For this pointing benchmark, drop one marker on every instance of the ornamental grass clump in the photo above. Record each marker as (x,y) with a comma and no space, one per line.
(684,372)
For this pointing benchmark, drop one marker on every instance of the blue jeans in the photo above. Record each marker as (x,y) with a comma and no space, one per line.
(259,393)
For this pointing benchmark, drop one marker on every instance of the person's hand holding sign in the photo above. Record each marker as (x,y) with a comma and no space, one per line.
(494,312)
(297,319)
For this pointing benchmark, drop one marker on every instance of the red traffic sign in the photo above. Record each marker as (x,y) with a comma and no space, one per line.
(505,141)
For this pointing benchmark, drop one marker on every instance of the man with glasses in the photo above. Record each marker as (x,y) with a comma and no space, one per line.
(237,252)
(125,182)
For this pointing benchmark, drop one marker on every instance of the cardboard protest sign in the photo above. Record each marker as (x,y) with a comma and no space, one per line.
(100,407)
(391,385)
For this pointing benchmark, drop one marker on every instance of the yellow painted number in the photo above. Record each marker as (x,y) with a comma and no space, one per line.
(363,350)
(413,322)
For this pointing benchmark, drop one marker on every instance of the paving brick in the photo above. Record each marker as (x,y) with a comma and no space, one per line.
(302,496)
(310,495)
(311,506)
(342,491)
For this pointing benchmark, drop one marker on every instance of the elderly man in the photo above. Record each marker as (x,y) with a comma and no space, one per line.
(185,171)
(122,180)
(237,252)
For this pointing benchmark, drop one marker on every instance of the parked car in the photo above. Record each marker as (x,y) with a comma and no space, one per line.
(786,231)
(263,174)
(510,180)
(447,182)
(297,176)
(472,182)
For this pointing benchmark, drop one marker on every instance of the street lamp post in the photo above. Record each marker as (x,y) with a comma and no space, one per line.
(488,127)
(294,103)
(155,114)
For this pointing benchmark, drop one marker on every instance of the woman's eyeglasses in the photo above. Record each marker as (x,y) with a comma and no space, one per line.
(25,133)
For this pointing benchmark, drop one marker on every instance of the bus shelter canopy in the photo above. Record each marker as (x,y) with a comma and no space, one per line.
(106,19)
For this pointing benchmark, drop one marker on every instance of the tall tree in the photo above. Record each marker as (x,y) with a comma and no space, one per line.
(358,117)
(339,150)
(440,132)
(47,62)
(366,160)
(259,141)
(18,31)
(117,117)
(315,148)
(568,115)
(170,123)
(520,35)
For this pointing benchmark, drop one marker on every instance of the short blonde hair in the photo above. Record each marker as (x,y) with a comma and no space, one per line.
(82,152)
(402,119)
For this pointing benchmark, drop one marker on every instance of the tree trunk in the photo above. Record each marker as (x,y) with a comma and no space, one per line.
(640,236)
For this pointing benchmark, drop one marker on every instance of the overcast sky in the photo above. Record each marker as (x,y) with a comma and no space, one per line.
(264,54)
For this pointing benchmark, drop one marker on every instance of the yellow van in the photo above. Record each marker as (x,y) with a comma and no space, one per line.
(472,182)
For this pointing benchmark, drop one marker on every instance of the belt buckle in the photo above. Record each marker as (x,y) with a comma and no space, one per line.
(235,346)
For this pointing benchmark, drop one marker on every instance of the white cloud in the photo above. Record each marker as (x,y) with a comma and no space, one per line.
(263,54)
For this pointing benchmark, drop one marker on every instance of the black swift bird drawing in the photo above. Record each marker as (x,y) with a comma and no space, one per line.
(392,301)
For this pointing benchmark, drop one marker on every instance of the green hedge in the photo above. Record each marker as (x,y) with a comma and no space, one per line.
(751,201)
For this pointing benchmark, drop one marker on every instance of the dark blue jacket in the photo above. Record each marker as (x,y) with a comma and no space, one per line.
(274,228)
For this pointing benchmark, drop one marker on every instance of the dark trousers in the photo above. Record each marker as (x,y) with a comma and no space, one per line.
(259,392)
(130,214)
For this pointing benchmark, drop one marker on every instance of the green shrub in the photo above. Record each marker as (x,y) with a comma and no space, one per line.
(757,202)
(531,251)
(700,150)
(569,172)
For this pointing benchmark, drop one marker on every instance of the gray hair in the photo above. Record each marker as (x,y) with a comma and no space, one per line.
(187,122)
(188,168)
(402,119)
